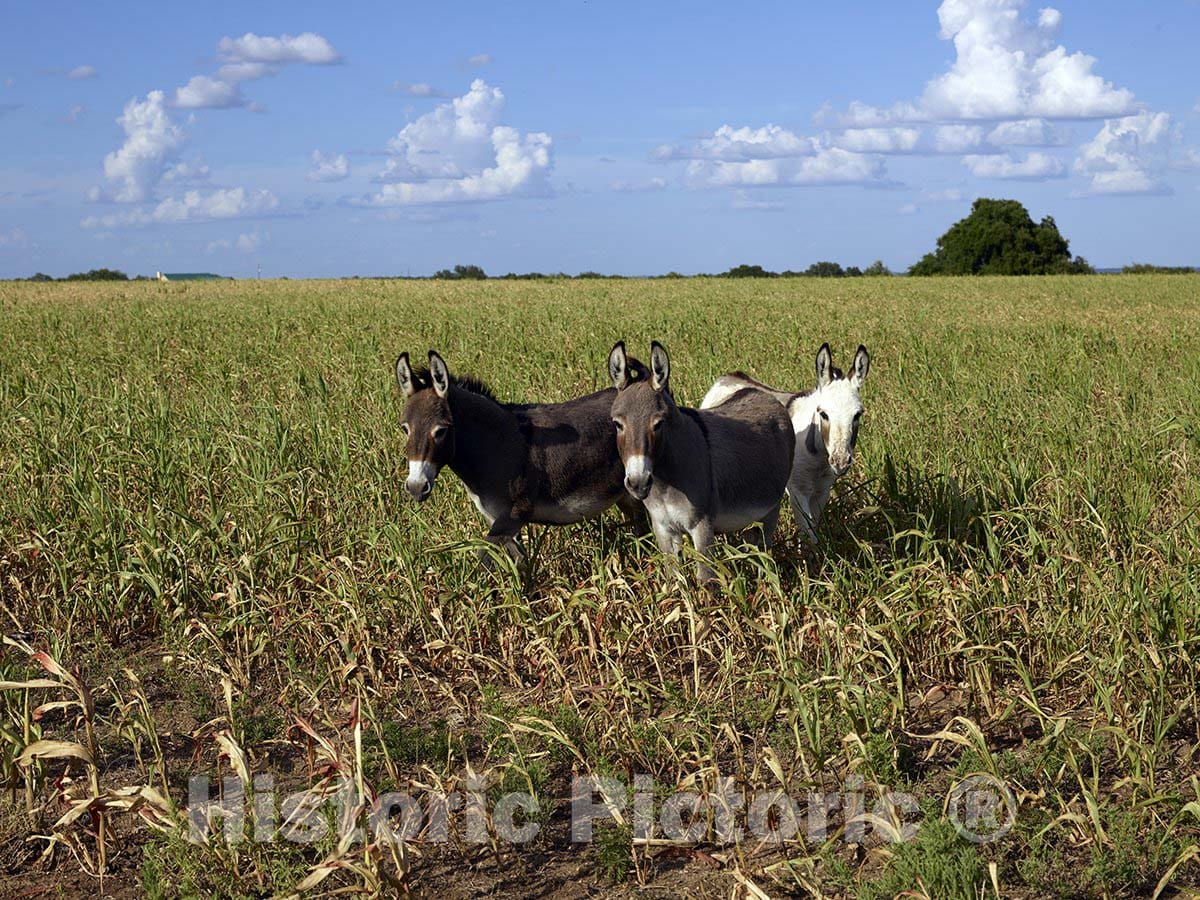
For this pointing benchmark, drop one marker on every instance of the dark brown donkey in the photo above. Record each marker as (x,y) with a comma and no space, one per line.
(541,463)
(699,472)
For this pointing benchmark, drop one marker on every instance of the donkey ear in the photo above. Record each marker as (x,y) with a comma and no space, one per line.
(860,366)
(618,366)
(824,366)
(439,374)
(404,376)
(660,366)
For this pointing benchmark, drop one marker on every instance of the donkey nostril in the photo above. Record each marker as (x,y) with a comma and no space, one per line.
(639,486)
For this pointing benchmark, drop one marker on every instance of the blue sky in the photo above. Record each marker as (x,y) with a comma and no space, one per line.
(373,138)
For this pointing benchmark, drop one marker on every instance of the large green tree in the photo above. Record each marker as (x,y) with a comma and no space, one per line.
(999,238)
(98,275)
(462,273)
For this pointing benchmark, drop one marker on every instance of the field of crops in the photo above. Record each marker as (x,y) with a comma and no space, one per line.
(209,567)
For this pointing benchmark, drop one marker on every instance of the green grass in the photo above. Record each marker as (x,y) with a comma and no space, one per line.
(201,488)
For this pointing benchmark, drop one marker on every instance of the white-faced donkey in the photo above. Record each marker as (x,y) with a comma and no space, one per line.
(699,472)
(826,421)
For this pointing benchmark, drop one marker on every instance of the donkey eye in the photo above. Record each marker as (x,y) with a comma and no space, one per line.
(658,425)
(438,433)
(824,416)
(858,415)
(404,429)
(618,424)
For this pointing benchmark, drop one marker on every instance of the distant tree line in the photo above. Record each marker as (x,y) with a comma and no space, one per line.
(823,269)
(461,273)
(89,275)
(1148,269)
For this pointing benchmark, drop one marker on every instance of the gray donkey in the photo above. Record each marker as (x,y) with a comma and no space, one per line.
(542,463)
(699,472)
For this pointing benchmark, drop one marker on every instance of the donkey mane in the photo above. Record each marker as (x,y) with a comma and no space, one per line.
(422,380)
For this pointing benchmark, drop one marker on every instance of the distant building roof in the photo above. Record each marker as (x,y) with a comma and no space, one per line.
(191,276)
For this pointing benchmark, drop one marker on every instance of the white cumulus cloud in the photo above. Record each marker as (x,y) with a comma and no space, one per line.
(81,73)
(740,145)
(248,58)
(957,138)
(1049,20)
(1128,155)
(329,167)
(830,165)
(223,203)
(1025,133)
(1005,67)
(203,92)
(152,140)
(460,152)
(879,140)
(308,48)
(244,71)
(771,155)
(1034,167)
(185,172)
(146,167)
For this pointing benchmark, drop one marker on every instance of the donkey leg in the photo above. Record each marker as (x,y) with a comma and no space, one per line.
(819,498)
(769,522)
(504,533)
(802,513)
(702,540)
(668,541)
(668,544)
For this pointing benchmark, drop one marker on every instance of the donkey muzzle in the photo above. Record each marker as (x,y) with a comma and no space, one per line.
(638,477)
(840,463)
(419,483)
(639,487)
